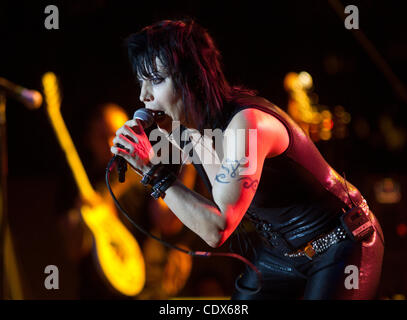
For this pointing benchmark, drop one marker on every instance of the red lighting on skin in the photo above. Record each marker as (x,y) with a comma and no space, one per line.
(402,230)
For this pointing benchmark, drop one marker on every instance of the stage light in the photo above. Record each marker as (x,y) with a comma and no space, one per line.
(401,230)
(387,191)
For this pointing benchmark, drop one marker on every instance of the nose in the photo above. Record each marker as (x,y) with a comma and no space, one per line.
(145,93)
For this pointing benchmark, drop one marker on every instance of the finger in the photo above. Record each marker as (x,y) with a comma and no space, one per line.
(120,152)
(126,131)
(116,141)
(127,140)
(135,123)
(131,123)
(129,145)
(140,125)
(122,141)
(134,133)
(135,126)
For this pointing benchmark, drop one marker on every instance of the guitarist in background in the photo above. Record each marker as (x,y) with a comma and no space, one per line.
(77,236)
(166,271)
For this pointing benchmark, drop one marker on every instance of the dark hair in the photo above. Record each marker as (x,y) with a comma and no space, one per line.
(190,57)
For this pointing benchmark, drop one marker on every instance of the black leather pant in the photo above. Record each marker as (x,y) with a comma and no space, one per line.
(323,277)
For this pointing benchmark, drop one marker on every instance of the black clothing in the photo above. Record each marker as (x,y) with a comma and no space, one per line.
(300,197)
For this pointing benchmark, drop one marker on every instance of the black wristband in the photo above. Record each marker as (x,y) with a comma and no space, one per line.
(162,185)
(148,177)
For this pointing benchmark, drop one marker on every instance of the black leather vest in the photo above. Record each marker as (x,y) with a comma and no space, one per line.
(299,196)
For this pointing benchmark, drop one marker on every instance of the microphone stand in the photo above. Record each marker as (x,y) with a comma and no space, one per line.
(10,286)
(3,191)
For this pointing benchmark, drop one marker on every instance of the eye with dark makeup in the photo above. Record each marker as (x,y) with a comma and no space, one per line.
(156,80)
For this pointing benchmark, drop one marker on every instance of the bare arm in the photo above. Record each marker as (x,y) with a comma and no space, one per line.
(236,181)
(196,212)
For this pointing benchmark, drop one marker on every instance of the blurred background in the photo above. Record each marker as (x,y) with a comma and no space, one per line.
(347,89)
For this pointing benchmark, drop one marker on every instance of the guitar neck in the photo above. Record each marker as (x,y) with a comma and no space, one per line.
(52,96)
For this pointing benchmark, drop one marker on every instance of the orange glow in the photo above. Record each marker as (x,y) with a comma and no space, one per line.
(290,81)
(387,190)
(177,271)
(162,204)
(37,98)
(189,176)
(326,124)
(53,101)
(119,254)
(325,135)
(115,116)
(124,264)
(316,120)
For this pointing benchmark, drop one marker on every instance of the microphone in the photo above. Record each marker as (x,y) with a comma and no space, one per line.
(30,98)
(146,118)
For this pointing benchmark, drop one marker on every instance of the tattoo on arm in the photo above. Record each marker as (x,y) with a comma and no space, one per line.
(249,183)
(228,173)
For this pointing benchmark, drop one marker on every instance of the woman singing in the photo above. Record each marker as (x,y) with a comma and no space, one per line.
(272,174)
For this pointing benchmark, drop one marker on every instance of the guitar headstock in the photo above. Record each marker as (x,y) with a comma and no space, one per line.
(51,90)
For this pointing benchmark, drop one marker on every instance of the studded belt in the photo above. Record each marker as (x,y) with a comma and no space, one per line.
(319,245)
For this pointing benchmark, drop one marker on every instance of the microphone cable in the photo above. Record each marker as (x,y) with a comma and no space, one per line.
(110,167)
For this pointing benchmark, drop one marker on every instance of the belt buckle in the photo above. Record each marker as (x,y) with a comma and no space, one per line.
(309,251)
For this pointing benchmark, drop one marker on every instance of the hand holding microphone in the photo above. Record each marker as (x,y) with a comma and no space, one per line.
(131,144)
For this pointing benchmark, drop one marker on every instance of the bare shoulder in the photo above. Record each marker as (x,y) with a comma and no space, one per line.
(268,128)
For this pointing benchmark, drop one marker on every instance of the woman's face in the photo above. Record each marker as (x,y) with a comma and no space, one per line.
(158,94)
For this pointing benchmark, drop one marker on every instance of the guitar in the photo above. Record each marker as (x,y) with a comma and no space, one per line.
(118,253)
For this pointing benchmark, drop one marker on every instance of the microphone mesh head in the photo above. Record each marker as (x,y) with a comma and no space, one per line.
(144,115)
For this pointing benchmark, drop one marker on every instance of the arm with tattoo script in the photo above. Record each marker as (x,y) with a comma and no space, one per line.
(234,186)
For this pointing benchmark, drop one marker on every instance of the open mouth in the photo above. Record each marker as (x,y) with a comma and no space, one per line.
(159,116)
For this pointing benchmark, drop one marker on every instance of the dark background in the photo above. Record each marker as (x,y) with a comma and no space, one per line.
(260,42)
